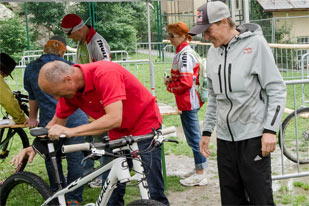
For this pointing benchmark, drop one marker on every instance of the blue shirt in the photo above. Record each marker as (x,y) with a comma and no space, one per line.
(46,103)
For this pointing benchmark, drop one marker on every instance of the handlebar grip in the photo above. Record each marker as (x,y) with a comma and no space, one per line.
(168,130)
(39,131)
(75,147)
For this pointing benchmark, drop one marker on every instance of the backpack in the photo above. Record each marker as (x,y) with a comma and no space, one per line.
(202,87)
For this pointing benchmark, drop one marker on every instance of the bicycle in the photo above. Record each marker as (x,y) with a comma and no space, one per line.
(125,147)
(7,142)
(291,127)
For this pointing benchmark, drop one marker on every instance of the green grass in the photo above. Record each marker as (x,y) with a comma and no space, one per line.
(302,185)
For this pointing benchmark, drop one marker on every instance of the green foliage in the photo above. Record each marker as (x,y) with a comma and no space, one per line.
(48,14)
(258,12)
(119,23)
(13,38)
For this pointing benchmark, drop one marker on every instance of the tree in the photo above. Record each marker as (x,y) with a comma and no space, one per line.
(13,39)
(121,24)
(48,14)
(258,11)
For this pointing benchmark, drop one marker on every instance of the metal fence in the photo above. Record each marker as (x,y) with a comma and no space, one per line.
(282,29)
(285,167)
(292,59)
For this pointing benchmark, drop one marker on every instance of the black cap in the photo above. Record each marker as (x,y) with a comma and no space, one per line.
(7,64)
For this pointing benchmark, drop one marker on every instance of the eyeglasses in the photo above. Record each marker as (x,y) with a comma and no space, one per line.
(70,32)
(172,35)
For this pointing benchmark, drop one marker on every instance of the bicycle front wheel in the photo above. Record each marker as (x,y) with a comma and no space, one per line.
(12,141)
(24,188)
(289,136)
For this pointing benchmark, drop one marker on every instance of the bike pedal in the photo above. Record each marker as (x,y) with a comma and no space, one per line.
(4,154)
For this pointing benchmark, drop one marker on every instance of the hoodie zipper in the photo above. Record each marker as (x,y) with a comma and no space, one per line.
(275,115)
(225,87)
(219,75)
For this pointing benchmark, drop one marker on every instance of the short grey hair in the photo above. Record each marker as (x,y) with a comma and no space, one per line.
(55,71)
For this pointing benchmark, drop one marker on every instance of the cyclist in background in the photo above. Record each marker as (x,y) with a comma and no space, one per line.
(7,99)
(184,77)
(91,45)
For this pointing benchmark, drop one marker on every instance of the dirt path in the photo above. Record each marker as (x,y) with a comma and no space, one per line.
(193,196)
(197,196)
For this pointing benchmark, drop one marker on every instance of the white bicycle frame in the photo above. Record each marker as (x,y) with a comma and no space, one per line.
(119,172)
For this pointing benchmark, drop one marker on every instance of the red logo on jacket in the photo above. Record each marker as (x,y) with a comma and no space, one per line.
(247,50)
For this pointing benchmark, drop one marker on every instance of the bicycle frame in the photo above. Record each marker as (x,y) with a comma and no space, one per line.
(119,172)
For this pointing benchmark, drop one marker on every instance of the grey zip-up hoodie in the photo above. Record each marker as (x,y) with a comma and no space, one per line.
(246,93)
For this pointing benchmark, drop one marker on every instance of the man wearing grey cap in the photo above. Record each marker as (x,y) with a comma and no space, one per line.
(246,100)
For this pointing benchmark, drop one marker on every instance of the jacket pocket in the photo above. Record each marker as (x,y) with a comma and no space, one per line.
(219,77)
(229,77)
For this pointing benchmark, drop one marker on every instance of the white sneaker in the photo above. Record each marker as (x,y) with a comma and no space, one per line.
(194,180)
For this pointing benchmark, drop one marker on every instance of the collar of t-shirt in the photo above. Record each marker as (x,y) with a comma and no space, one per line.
(181,46)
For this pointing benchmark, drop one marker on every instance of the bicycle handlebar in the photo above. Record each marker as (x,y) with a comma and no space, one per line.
(40,131)
(123,141)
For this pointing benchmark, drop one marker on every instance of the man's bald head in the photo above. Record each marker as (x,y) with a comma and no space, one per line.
(55,71)
(52,75)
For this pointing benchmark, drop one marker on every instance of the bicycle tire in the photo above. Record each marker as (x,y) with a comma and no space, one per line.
(25,188)
(143,202)
(15,145)
(289,136)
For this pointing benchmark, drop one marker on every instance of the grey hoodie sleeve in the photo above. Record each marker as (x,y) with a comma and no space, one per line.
(211,111)
(272,83)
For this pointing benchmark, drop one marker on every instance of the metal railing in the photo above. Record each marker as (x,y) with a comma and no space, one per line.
(284,161)
(120,55)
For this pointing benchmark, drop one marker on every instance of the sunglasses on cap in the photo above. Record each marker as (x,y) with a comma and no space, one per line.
(172,35)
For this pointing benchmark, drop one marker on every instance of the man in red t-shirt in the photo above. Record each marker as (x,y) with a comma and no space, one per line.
(117,101)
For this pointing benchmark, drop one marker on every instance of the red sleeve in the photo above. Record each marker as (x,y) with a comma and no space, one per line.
(184,83)
(65,108)
(111,85)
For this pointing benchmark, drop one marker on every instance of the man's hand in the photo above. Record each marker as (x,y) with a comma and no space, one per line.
(56,130)
(17,160)
(268,143)
(32,123)
(204,146)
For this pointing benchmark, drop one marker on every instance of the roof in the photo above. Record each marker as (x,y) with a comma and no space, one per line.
(284,5)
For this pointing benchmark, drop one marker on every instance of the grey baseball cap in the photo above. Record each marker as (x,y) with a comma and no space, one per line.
(208,14)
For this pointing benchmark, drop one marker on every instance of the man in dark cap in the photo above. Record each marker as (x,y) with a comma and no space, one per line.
(54,49)
(7,99)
